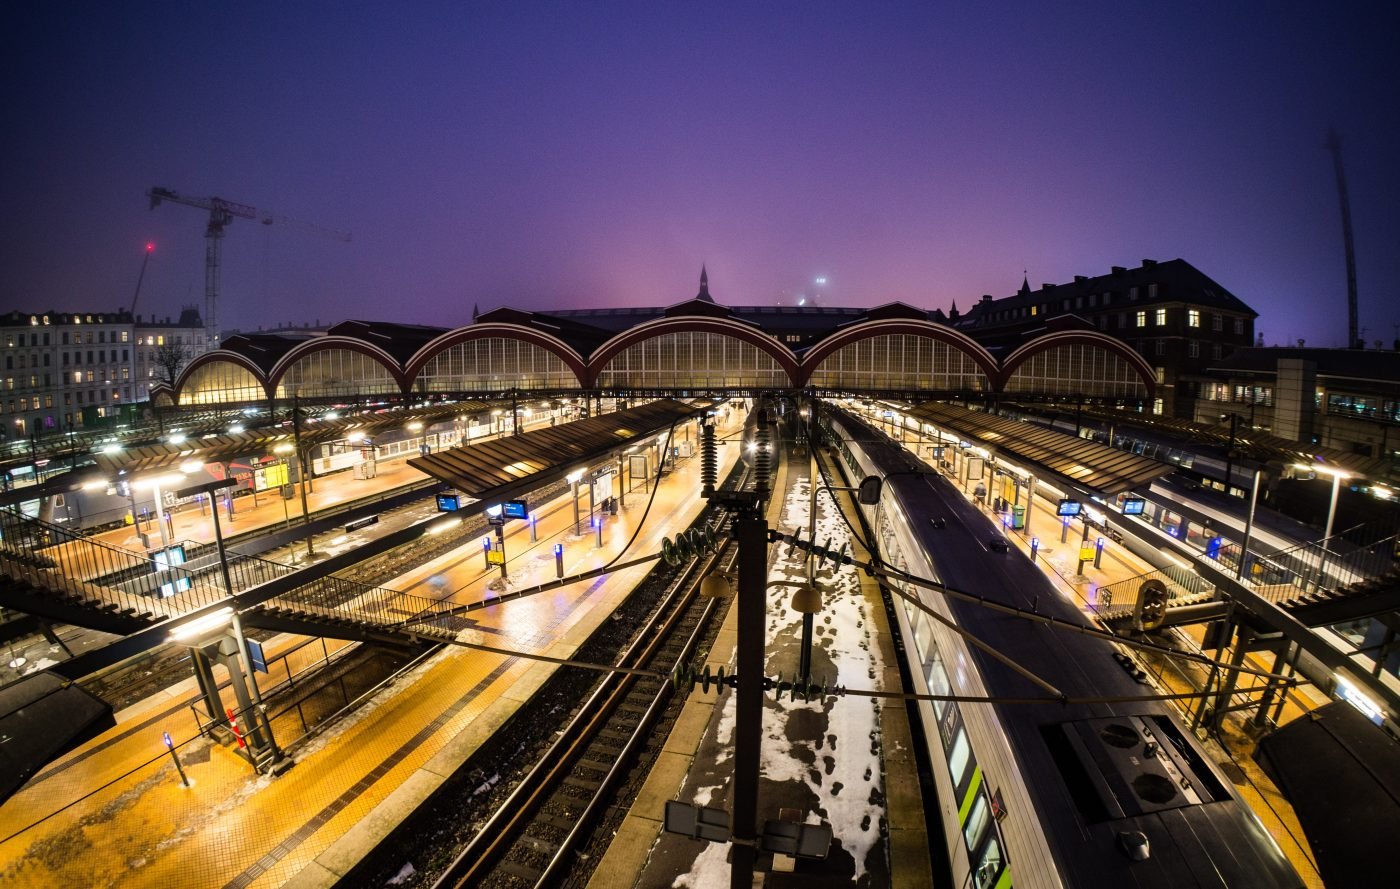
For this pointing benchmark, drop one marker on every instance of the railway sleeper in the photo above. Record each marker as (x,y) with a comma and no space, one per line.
(556,822)
(596,765)
(583,783)
(615,736)
(524,872)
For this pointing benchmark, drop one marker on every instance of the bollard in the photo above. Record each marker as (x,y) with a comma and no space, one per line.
(1098,552)
(598,526)
(1035,547)
(486,551)
(559,560)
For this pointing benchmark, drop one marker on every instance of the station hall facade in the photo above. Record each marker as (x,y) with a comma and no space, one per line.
(700,345)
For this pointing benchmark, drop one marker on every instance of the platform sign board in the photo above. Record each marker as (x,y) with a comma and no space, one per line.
(697,822)
(515,509)
(797,840)
(974,468)
(256,657)
(1133,506)
(449,502)
(1068,508)
(495,557)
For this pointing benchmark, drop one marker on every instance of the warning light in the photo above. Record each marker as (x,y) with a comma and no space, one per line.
(150,246)
(168,742)
(486,543)
(559,549)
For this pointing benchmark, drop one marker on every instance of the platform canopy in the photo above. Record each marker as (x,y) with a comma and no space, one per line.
(217,447)
(510,465)
(1096,467)
(41,718)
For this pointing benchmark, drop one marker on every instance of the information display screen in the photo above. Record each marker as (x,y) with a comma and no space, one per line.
(515,509)
(1068,507)
(449,502)
(1133,506)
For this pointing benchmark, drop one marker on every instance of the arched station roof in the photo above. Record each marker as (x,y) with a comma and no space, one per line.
(1091,338)
(766,343)
(894,326)
(572,360)
(309,347)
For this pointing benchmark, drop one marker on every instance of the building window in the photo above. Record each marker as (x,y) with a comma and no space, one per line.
(1193,317)
(1160,373)
(1161,317)
(77,376)
(1132,293)
(1239,325)
(1217,323)
(1160,347)
(1215,350)
(1151,291)
(125,334)
(1193,349)
(1141,319)
(1157,406)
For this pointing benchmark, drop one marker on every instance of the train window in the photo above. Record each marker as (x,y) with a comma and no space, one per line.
(958,757)
(977,820)
(938,680)
(989,867)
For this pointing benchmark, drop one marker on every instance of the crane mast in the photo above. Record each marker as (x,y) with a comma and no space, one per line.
(221,214)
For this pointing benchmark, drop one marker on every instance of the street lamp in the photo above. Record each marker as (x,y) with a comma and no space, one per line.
(573,479)
(153,484)
(1337,476)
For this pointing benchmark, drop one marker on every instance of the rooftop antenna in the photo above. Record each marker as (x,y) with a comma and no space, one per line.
(1334,145)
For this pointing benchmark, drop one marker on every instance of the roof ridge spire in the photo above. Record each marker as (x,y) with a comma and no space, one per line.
(704,285)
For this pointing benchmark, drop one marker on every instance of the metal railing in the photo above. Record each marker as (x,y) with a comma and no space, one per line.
(1313,567)
(1121,597)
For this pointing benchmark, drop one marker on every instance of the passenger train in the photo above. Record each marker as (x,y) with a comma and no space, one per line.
(1043,794)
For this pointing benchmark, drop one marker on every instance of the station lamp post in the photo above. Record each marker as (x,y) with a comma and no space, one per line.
(1337,476)
(573,479)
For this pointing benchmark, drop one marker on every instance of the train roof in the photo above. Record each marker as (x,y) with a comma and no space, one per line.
(1093,779)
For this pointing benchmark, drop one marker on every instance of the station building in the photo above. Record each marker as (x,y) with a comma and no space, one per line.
(1175,317)
(75,370)
(1347,399)
(695,346)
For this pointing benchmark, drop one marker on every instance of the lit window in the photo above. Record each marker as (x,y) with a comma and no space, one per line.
(160,340)
(1161,374)
(1193,318)
(125,335)
(77,376)
(1157,406)
(1161,317)
(1141,319)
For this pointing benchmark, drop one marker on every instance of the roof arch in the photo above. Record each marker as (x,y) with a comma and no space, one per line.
(561,349)
(218,356)
(325,344)
(1091,338)
(867,329)
(764,342)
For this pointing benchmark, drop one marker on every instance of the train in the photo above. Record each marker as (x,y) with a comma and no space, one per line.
(1045,793)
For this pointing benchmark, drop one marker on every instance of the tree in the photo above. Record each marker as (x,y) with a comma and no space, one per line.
(170,358)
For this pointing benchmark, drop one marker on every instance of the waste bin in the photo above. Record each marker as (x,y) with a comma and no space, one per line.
(1018,517)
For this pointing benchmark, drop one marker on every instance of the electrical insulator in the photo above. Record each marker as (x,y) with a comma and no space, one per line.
(709,463)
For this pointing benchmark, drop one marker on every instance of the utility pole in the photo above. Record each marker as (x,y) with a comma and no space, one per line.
(1334,145)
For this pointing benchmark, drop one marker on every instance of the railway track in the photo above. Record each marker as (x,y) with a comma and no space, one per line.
(531,838)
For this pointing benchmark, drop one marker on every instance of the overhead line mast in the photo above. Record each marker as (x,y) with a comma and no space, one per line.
(221,213)
(1334,145)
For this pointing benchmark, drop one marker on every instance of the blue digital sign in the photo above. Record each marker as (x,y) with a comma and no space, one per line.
(515,509)
(1133,506)
(1068,507)
(449,502)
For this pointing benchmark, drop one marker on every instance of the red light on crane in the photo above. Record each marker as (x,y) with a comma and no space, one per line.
(150,246)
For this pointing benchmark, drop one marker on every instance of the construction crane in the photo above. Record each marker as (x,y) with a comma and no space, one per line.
(145,260)
(221,213)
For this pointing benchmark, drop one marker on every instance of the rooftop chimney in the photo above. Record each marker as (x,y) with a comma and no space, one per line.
(1118,270)
(1148,262)
(1079,279)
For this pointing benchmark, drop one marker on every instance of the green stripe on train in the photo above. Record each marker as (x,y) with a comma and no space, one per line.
(972,786)
(1005,881)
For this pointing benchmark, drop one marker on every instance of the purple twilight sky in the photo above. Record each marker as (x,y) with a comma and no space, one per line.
(583,155)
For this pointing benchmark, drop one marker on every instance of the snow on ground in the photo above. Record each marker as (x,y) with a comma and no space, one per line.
(830,747)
